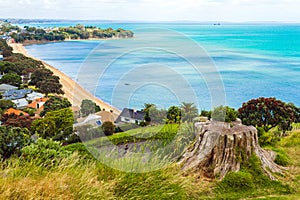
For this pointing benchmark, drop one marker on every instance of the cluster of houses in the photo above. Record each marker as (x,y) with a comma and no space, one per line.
(27,98)
(22,98)
(129,116)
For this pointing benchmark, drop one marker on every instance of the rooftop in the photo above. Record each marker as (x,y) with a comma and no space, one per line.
(6,87)
(132,114)
(16,112)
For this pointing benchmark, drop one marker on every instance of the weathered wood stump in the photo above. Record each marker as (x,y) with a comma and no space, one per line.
(221,147)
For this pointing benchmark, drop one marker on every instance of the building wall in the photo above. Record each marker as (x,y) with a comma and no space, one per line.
(128,120)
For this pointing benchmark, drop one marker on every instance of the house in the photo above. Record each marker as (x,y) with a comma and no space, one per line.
(34,95)
(16,94)
(1,57)
(20,103)
(130,116)
(6,87)
(92,119)
(38,103)
(11,111)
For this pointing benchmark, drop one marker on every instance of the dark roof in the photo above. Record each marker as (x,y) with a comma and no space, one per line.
(131,114)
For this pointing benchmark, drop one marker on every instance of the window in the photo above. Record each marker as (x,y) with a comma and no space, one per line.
(98,122)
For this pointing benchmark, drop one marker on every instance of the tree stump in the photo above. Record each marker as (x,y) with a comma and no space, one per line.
(221,147)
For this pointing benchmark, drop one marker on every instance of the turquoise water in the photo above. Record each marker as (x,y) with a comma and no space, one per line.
(252,61)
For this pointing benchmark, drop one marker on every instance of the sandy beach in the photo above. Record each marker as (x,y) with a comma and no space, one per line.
(73,91)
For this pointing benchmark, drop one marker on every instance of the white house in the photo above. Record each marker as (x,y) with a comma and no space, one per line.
(92,119)
(131,116)
(1,57)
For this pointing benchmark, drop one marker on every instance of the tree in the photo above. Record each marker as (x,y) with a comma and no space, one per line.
(50,86)
(147,107)
(12,140)
(40,75)
(296,112)
(5,104)
(88,107)
(205,113)
(12,79)
(267,113)
(55,103)
(6,50)
(174,115)
(57,125)
(153,114)
(108,128)
(224,113)
(189,111)
(17,121)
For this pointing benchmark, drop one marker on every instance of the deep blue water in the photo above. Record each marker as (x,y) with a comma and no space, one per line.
(249,60)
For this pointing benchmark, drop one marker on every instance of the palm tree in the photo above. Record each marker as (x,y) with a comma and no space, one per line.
(189,111)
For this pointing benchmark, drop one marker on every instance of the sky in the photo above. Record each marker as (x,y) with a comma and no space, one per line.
(154,10)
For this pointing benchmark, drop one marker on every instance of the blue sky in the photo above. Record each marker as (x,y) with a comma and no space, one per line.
(154,10)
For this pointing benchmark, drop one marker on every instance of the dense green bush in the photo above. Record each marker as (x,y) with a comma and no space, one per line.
(12,140)
(55,103)
(108,128)
(46,153)
(267,138)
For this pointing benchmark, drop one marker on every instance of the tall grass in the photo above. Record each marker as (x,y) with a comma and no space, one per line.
(72,179)
(78,179)
(80,176)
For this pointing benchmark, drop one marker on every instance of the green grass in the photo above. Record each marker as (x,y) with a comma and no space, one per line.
(136,135)
(74,179)
(80,176)
(250,181)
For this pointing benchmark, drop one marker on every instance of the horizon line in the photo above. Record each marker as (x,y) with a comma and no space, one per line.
(150,21)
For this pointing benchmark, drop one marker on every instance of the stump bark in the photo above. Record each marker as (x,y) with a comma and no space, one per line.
(221,147)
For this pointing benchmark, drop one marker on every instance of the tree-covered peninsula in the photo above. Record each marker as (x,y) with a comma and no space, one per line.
(36,35)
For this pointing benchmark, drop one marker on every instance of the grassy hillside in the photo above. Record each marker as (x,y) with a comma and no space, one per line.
(76,175)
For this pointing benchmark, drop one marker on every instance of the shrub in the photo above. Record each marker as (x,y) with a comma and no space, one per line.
(46,153)
(108,128)
(12,140)
(237,181)
(266,138)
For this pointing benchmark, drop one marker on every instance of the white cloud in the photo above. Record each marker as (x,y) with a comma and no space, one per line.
(162,10)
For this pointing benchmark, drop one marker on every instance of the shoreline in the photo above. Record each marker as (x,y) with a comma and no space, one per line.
(32,42)
(74,92)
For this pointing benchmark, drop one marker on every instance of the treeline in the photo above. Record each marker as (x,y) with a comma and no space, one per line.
(86,32)
(33,72)
(60,34)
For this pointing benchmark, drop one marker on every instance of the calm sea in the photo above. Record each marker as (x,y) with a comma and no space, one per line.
(248,61)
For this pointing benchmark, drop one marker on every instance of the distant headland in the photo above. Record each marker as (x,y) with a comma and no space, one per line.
(36,35)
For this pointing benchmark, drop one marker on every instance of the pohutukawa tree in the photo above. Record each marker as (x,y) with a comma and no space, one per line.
(267,113)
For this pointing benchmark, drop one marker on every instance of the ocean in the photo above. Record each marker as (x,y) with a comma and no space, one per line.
(168,63)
